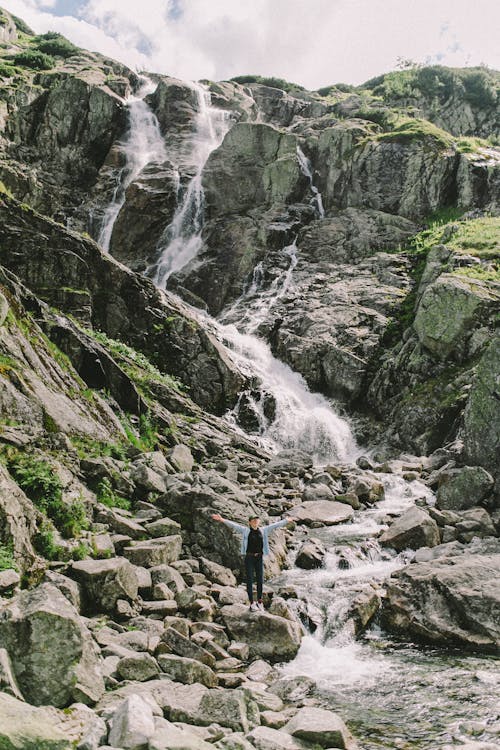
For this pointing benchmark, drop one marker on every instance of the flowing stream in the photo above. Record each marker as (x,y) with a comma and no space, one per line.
(393,694)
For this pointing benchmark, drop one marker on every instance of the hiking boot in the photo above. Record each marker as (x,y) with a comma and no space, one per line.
(254,607)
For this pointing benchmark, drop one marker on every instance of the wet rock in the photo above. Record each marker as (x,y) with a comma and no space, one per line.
(187,670)
(132,724)
(52,652)
(414,529)
(268,636)
(323,512)
(104,582)
(310,555)
(448,600)
(460,489)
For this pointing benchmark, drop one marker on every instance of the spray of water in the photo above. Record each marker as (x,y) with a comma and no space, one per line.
(306,168)
(143,145)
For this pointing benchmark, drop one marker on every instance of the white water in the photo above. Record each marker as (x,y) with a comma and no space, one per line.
(143,144)
(181,240)
(305,166)
(253,307)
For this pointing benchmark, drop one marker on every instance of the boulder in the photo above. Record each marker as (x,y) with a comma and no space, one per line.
(320,727)
(24,726)
(318,492)
(132,724)
(173,737)
(138,668)
(182,646)
(160,551)
(290,461)
(265,738)
(53,654)
(18,518)
(162,527)
(104,582)
(168,575)
(181,458)
(460,489)
(413,529)
(324,512)
(186,670)
(451,600)
(271,637)
(310,555)
(217,573)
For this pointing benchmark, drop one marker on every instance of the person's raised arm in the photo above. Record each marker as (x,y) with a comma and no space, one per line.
(231,524)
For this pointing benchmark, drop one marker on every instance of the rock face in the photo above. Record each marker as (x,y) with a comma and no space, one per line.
(52,652)
(449,601)
(17,520)
(269,636)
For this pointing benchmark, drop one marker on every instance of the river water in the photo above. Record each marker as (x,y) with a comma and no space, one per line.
(392,693)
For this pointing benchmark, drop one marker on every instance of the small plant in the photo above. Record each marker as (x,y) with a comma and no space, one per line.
(44,541)
(80,552)
(7,556)
(107,496)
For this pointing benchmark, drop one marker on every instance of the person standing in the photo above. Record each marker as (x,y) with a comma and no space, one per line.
(254,546)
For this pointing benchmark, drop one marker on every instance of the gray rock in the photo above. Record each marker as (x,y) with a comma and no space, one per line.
(449,600)
(323,512)
(168,575)
(182,646)
(160,551)
(163,527)
(139,667)
(265,738)
(52,652)
(23,726)
(186,670)
(320,727)
(9,578)
(132,724)
(460,489)
(120,523)
(18,519)
(310,555)
(104,582)
(217,573)
(268,636)
(8,683)
(290,462)
(146,479)
(173,737)
(414,529)
(318,492)
(181,457)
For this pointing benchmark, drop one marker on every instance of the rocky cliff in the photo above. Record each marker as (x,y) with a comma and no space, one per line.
(355,232)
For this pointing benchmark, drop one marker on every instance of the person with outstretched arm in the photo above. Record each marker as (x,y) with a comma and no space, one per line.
(254,545)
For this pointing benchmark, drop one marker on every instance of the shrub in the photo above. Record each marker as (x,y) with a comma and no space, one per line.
(44,541)
(276,83)
(21,25)
(107,496)
(53,43)
(34,59)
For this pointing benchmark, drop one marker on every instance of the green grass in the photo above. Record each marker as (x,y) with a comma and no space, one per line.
(88,447)
(276,83)
(479,237)
(56,44)
(410,129)
(7,557)
(34,59)
(480,273)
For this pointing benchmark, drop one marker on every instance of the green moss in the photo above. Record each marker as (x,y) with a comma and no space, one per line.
(4,189)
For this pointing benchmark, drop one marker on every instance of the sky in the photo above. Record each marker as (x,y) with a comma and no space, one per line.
(311,42)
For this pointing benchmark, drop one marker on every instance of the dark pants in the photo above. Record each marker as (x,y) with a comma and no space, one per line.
(254,565)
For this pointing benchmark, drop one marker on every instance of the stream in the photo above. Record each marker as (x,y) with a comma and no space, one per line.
(391,692)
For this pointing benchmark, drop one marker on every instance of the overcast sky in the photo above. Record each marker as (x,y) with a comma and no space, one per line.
(311,42)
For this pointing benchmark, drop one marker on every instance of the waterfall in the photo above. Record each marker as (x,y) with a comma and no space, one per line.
(143,144)
(306,168)
(181,240)
(294,417)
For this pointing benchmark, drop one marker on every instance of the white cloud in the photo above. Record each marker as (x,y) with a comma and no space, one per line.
(315,43)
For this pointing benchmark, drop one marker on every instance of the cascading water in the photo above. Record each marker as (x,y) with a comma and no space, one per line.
(143,144)
(181,240)
(306,168)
